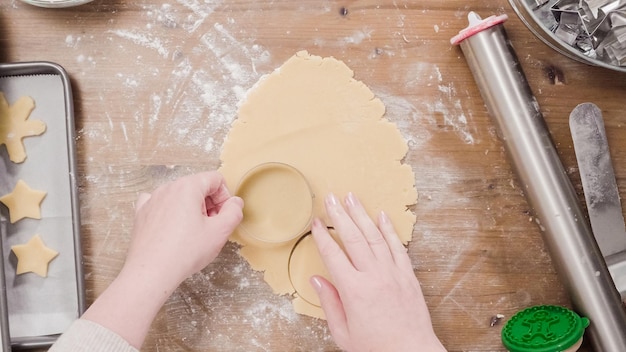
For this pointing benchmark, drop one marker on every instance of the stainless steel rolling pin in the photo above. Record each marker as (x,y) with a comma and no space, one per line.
(566,232)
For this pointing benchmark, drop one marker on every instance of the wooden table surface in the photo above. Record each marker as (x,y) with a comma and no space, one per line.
(156,87)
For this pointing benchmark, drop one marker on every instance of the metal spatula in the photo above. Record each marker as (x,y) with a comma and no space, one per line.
(600,188)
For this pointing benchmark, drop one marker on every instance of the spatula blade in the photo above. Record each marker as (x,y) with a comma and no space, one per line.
(598,178)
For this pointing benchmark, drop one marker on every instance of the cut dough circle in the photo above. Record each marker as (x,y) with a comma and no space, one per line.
(313,115)
(270,191)
(305,262)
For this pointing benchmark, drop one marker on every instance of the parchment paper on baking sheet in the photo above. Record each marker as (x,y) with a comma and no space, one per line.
(41,306)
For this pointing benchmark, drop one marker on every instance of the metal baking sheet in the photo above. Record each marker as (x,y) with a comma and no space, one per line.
(39,309)
(5,342)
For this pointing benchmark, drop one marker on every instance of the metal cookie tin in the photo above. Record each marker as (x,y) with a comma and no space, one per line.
(547,18)
(38,308)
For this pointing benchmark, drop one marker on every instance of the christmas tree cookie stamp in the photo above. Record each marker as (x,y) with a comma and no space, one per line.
(33,257)
(23,202)
(15,126)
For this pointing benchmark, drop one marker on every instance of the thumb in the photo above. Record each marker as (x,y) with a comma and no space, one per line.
(228,217)
(333,309)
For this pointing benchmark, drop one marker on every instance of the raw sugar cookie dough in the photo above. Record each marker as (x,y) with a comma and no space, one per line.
(15,126)
(272,190)
(33,257)
(313,115)
(23,202)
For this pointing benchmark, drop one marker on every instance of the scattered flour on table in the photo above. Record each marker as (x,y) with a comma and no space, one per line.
(209,77)
(438,181)
(146,40)
(445,109)
(358,36)
(449,105)
(259,312)
(406,115)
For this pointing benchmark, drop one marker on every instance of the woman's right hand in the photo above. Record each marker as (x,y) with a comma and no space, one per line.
(376,303)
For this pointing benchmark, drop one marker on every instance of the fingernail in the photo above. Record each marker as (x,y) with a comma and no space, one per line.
(351,200)
(384,218)
(239,201)
(316,283)
(316,223)
(331,199)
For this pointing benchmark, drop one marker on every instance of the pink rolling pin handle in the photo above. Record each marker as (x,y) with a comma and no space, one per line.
(477,25)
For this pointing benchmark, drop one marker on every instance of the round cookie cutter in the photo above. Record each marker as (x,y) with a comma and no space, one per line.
(278,204)
(304,262)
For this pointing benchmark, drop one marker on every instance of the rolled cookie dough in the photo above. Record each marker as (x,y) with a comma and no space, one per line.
(312,114)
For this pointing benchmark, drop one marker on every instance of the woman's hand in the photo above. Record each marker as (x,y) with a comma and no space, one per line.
(376,303)
(179,229)
(182,226)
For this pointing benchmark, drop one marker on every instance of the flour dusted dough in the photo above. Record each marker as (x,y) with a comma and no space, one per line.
(311,114)
(15,126)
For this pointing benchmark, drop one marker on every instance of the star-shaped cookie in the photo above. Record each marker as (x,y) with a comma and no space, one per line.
(14,126)
(33,257)
(23,202)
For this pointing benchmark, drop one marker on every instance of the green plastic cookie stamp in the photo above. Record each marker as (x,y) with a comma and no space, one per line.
(544,329)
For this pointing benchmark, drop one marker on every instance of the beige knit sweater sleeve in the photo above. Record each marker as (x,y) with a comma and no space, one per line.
(84,335)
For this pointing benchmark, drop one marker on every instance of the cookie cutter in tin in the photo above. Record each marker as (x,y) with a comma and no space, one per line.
(595,27)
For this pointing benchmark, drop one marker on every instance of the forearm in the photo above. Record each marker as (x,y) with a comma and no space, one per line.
(129,305)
